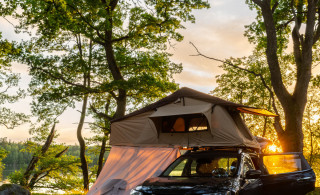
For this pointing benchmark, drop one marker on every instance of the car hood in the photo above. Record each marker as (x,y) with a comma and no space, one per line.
(186,185)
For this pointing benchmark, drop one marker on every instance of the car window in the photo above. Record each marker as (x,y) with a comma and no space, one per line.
(204,166)
(276,164)
(178,170)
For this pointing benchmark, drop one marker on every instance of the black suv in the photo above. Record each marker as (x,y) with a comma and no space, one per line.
(217,172)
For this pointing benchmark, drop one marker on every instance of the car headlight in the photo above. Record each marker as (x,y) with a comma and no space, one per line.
(136,191)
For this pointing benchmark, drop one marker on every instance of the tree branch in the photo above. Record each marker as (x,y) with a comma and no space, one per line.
(304,66)
(285,24)
(36,158)
(89,24)
(60,77)
(61,153)
(277,123)
(101,127)
(274,7)
(100,114)
(121,38)
(258,2)
(317,32)
(271,53)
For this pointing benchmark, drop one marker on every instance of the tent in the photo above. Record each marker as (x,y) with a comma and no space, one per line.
(186,118)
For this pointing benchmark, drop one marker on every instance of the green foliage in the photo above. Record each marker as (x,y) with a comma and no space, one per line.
(3,154)
(140,32)
(311,124)
(9,81)
(282,17)
(55,172)
(15,160)
(315,192)
(19,156)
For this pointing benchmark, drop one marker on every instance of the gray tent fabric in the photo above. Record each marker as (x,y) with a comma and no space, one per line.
(185,92)
(143,128)
(127,167)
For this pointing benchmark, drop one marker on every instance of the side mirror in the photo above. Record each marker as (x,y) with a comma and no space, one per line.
(253,174)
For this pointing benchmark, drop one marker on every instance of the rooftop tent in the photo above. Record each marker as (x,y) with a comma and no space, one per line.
(186,118)
(146,141)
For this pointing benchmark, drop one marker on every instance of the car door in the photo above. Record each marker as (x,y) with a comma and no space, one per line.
(286,173)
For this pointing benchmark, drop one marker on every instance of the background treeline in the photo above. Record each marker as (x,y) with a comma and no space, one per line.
(16,159)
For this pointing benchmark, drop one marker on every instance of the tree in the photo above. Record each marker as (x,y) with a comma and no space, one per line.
(275,21)
(9,81)
(243,87)
(3,154)
(49,167)
(130,40)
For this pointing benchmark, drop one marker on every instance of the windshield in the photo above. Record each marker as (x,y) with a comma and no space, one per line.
(203,166)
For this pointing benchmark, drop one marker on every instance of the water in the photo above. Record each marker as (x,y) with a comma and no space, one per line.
(11,168)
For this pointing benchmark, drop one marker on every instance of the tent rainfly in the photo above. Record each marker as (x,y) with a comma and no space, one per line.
(186,118)
(143,139)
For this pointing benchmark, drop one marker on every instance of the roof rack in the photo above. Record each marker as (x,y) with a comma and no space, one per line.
(219,148)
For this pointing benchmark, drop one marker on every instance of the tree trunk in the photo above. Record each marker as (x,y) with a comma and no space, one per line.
(86,83)
(112,63)
(121,104)
(106,131)
(84,164)
(293,104)
(292,139)
(102,152)
(36,158)
(43,171)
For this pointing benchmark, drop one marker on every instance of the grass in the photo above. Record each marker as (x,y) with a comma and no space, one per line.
(316,192)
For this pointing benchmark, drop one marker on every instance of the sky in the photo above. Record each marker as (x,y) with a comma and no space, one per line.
(217,32)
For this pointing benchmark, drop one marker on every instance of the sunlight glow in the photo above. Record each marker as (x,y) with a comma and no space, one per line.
(273,148)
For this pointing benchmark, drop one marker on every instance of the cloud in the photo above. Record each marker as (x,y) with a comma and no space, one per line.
(197,79)
(7,30)
(68,133)
(18,134)
(218,32)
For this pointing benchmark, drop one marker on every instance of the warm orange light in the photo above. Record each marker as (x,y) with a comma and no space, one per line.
(273,148)
(276,164)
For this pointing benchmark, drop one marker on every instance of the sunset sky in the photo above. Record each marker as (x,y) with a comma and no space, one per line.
(218,32)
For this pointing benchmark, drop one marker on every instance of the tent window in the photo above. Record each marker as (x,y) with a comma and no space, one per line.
(198,124)
(184,123)
(179,125)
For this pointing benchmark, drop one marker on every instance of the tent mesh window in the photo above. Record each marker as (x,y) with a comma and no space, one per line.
(184,123)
